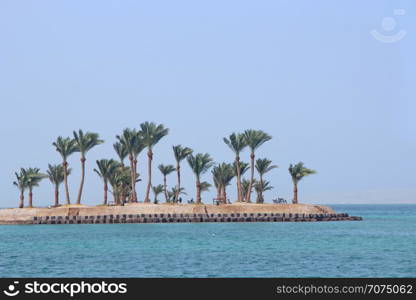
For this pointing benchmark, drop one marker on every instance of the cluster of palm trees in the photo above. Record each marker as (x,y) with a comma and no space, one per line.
(123,178)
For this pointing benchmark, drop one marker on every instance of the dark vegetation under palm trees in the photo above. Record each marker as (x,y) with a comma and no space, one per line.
(121,180)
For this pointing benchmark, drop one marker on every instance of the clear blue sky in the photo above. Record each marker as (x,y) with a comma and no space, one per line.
(307,72)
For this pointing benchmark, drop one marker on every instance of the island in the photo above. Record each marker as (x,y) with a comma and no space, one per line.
(172,213)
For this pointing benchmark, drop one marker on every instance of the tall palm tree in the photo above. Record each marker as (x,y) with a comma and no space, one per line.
(34,177)
(166,170)
(121,152)
(180,154)
(298,171)
(237,143)
(261,187)
(65,147)
(84,143)
(21,184)
(133,143)
(56,176)
(105,169)
(158,189)
(254,139)
(151,134)
(263,166)
(200,164)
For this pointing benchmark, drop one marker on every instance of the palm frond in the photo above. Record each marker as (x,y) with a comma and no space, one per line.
(255,138)
(200,163)
(299,171)
(181,152)
(264,165)
(65,147)
(236,142)
(152,133)
(166,169)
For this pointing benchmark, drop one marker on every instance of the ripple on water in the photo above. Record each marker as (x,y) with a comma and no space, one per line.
(380,246)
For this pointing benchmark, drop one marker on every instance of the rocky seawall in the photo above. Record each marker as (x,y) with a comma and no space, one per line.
(169,213)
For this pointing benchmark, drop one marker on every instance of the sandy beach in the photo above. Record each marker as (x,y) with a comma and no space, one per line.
(17,215)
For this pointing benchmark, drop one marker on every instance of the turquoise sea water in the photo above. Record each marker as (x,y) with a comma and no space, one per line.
(383,245)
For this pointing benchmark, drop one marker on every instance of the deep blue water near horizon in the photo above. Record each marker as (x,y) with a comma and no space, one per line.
(383,245)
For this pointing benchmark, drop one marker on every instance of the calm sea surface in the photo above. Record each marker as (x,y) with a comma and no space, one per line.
(383,245)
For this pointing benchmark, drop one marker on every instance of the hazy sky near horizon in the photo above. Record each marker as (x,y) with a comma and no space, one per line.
(307,72)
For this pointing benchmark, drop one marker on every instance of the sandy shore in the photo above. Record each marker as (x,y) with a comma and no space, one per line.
(11,215)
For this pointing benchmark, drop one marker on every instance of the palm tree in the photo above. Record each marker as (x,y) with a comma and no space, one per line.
(254,139)
(245,185)
(133,144)
(263,165)
(56,176)
(180,154)
(222,175)
(297,172)
(120,181)
(158,189)
(200,164)
(237,143)
(172,193)
(34,177)
(84,143)
(21,183)
(261,187)
(121,152)
(216,177)
(106,167)
(166,170)
(151,134)
(65,147)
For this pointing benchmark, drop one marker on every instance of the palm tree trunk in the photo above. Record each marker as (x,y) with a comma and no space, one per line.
(115,195)
(81,186)
(30,197)
(260,196)
(56,195)
(178,172)
(224,191)
(68,201)
(149,174)
(198,192)
(165,188)
(22,198)
(239,197)
(122,196)
(248,197)
(106,193)
(219,189)
(295,193)
(133,179)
